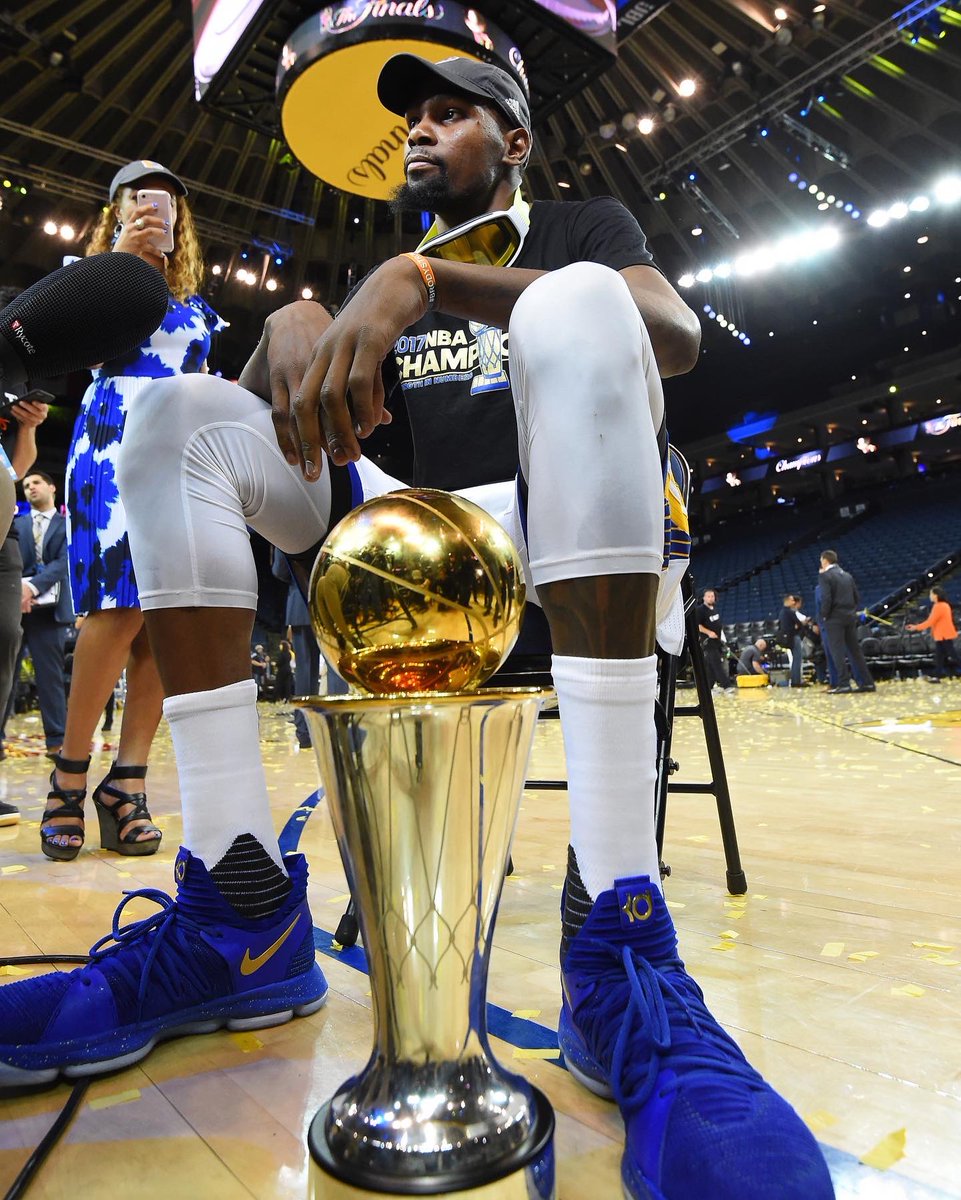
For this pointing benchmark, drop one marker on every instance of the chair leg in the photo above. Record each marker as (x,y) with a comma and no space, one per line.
(736,881)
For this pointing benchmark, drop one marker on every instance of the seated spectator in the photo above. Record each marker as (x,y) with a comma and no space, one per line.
(751,661)
(941,623)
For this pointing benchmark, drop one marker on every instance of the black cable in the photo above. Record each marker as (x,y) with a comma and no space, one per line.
(22,959)
(36,1160)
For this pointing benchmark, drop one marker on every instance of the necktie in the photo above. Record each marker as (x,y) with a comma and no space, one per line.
(39,528)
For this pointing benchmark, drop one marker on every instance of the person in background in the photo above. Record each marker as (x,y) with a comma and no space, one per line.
(305,648)
(259,668)
(790,636)
(45,604)
(18,453)
(839,607)
(102,581)
(284,673)
(941,623)
(751,660)
(712,639)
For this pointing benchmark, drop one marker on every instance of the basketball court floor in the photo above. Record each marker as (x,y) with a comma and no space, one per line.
(839,972)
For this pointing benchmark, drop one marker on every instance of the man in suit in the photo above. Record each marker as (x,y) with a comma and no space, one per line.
(839,606)
(45,601)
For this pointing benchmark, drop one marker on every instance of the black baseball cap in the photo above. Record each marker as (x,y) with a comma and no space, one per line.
(142,169)
(406,75)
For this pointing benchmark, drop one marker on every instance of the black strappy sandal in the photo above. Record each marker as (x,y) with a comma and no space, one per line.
(71,805)
(115,832)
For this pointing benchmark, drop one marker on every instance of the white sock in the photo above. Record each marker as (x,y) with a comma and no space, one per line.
(223,789)
(610,741)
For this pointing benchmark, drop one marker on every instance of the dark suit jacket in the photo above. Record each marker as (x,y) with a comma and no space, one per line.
(839,595)
(54,568)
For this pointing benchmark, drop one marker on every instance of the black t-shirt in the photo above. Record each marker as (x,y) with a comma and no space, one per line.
(454,373)
(710,618)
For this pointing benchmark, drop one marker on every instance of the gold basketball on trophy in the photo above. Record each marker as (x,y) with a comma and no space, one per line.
(417,591)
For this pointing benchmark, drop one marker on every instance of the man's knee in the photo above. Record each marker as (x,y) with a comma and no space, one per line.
(576,310)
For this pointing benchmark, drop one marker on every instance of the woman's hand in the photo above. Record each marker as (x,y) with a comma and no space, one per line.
(139,234)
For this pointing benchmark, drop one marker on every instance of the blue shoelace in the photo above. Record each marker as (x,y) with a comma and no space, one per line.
(634,1033)
(166,960)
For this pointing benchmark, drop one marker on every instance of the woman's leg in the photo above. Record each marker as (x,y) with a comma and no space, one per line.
(102,649)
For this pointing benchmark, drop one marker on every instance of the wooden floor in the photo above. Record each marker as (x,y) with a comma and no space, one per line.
(839,973)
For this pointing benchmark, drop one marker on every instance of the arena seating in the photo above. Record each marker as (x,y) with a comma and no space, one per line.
(753,565)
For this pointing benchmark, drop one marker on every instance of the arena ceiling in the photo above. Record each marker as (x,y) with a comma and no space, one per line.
(836,94)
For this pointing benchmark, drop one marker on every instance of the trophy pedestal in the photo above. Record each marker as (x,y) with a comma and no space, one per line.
(424,790)
(527,1175)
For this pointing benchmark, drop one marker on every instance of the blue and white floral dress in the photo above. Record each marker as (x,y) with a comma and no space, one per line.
(101,572)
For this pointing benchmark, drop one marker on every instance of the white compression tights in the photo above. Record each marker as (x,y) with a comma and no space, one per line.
(199,460)
(199,463)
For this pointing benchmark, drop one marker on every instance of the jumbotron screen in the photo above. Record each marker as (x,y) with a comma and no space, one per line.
(218,27)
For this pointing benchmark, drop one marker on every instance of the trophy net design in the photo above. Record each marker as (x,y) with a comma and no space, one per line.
(423,588)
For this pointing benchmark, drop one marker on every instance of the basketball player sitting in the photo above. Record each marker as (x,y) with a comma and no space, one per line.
(567,452)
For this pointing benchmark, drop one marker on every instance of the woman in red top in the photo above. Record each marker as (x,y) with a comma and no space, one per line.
(941,624)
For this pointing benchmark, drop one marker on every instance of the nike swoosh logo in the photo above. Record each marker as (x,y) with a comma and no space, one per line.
(249,965)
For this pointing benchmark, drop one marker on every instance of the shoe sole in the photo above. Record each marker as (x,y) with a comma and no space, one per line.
(17,1077)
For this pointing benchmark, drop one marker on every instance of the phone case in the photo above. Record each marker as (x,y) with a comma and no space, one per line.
(163,242)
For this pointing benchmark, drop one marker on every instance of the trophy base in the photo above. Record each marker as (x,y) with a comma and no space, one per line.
(528,1174)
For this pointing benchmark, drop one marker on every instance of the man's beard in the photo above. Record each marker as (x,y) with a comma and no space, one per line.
(424,195)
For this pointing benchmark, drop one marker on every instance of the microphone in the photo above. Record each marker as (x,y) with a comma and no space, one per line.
(77,316)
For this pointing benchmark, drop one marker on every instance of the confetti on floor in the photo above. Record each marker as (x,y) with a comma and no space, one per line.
(887,1152)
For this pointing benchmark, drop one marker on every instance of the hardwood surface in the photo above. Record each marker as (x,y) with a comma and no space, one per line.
(839,972)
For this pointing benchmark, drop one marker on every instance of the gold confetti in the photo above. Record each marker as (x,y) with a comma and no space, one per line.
(338,899)
(677,904)
(246,1041)
(832,950)
(724,946)
(908,989)
(941,960)
(532,1052)
(527,1014)
(548,867)
(11,970)
(15,869)
(730,935)
(887,1152)
(862,955)
(736,916)
(758,896)
(116,1098)
(932,946)
(926,808)
(697,837)
(820,1120)
(557,887)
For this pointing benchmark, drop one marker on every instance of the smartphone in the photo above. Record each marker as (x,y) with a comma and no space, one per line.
(6,408)
(164,241)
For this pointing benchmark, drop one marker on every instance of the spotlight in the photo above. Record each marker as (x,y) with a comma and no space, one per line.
(645,125)
(67,232)
(278,260)
(696,231)
(307,294)
(780,14)
(686,88)
(50,227)
(216,269)
(948,190)
(271,285)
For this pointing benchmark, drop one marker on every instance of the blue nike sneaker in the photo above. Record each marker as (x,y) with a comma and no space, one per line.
(699,1120)
(194,966)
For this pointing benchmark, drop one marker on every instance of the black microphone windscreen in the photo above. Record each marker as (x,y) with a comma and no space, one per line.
(80,315)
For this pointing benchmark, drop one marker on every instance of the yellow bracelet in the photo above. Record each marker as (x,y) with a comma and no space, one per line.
(428,276)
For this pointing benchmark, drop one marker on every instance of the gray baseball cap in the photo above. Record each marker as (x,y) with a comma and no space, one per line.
(143,168)
(405,75)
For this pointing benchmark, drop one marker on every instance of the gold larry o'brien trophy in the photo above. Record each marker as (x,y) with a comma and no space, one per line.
(416,597)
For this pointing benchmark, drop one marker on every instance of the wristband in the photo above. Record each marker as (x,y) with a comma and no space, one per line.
(428,276)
